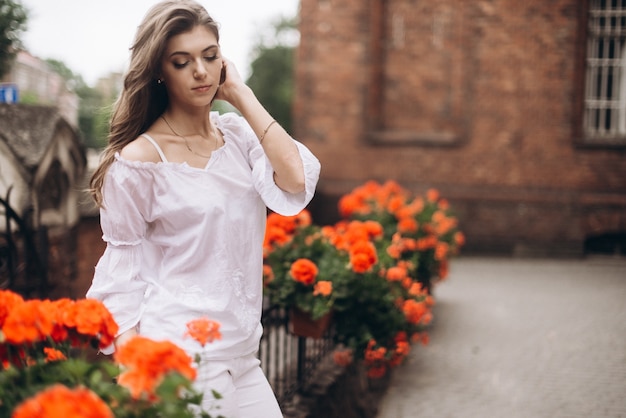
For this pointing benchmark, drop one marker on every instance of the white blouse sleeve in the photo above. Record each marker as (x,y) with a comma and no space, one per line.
(274,197)
(117,281)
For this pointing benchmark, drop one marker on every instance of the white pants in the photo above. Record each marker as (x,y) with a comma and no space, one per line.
(245,391)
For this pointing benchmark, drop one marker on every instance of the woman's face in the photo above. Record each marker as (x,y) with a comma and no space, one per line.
(191,67)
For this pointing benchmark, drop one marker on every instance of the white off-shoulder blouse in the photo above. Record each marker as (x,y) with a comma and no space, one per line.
(184,242)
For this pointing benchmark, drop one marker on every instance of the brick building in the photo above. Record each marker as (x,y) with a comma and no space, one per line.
(515,111)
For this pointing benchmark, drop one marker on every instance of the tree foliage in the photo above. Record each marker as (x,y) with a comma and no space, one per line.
(272,70)
(93,113)
(13,17)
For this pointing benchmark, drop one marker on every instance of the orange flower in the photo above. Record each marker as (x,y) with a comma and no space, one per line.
(459,239)
(432,195)
(421,337)
(407,225)
(407,282)
(323,287)
(442,223)
(53,354)
(443,269)
(414,311)
(204,330)
(394,251)
(268,275)
(406,264)
(286,223)
(333,236)
(28,322)
(90,317)
(304,271)
(395,203)
(374,354)
(59,401)
(274,236)
(413,208)
(147,362)
(416,289)
(426,243)
(8,301)
(363,256)
(402,350)
(441,251)
(409,244)
(350,204)
(400,336)
(58,309)
(303,218)
(427,318)
(360,262)
(374,229)
(343,358)
(396,273)
(356,231)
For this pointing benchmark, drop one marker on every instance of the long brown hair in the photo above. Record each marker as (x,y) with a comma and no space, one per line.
(142,99)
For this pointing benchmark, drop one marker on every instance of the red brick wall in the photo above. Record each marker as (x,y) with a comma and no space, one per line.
(475,98)
(72,257)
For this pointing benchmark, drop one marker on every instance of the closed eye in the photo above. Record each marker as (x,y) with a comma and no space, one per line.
(180,65)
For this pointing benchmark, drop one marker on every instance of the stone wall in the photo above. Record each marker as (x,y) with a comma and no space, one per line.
(338,392)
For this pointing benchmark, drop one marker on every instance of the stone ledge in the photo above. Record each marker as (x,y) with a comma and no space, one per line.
(338,392)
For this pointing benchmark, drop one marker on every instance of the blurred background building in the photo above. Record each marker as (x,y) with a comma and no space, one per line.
(36,82)
(515,111)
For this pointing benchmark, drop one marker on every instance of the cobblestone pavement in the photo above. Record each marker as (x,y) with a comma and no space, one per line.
(520,339)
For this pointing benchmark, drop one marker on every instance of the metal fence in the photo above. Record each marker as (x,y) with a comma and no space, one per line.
(289,361)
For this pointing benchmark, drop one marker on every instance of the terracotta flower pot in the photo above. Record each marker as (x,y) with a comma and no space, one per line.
(303,325)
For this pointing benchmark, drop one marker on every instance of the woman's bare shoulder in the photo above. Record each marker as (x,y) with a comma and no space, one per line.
(140,149)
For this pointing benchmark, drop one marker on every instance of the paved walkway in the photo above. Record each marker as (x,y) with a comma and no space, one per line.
(520,339)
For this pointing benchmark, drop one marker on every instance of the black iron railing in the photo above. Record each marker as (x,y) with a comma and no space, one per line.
(289,361)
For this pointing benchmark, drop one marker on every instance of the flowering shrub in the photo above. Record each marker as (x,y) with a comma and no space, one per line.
(47,370)
(374,269)
(298,261)
(423,231)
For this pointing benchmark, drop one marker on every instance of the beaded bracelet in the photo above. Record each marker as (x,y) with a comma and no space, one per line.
(265,131)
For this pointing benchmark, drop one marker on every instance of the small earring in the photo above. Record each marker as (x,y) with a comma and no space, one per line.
(159,81)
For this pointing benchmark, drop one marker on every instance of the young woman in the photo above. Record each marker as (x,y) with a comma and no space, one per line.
(183,193)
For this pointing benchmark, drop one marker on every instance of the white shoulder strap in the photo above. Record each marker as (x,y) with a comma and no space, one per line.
(158,148)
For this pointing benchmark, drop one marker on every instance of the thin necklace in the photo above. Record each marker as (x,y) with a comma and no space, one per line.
(187,143)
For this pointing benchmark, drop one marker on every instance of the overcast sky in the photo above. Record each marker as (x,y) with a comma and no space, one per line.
(92,37)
